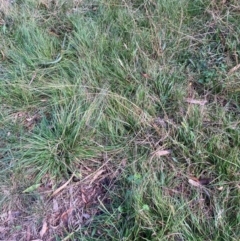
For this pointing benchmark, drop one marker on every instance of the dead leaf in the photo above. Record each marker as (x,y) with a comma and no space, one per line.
(145,75)
(65,216)
(84,198)
(234,69)
(197,102)
(162,153)
(198,182)
(194,183)
(44,229)
(62,187)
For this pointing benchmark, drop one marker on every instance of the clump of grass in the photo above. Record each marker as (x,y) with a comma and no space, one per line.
(79,130)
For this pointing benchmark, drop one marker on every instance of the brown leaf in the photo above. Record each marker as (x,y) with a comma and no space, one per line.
(84,198)
(197,102)
(162,153)
(44,229)
(145,75)
(65,216)
(199,182)
(194,183)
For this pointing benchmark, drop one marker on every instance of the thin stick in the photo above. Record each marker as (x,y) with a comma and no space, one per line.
(62,187)
(234,69)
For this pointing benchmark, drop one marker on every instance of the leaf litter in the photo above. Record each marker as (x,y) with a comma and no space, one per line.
(69,208)
(199,182)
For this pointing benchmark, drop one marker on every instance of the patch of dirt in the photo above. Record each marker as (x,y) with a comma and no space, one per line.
(44,216)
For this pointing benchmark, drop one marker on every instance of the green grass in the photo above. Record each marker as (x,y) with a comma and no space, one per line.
(101,83)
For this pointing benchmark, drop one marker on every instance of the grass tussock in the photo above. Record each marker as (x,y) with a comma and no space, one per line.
(119,120)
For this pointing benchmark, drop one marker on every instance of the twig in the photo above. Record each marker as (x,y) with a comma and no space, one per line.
(234,69)
(62,187)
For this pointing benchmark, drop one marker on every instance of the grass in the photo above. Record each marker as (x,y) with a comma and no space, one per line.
(136,104)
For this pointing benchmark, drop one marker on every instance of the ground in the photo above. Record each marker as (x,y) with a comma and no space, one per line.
(119,120)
